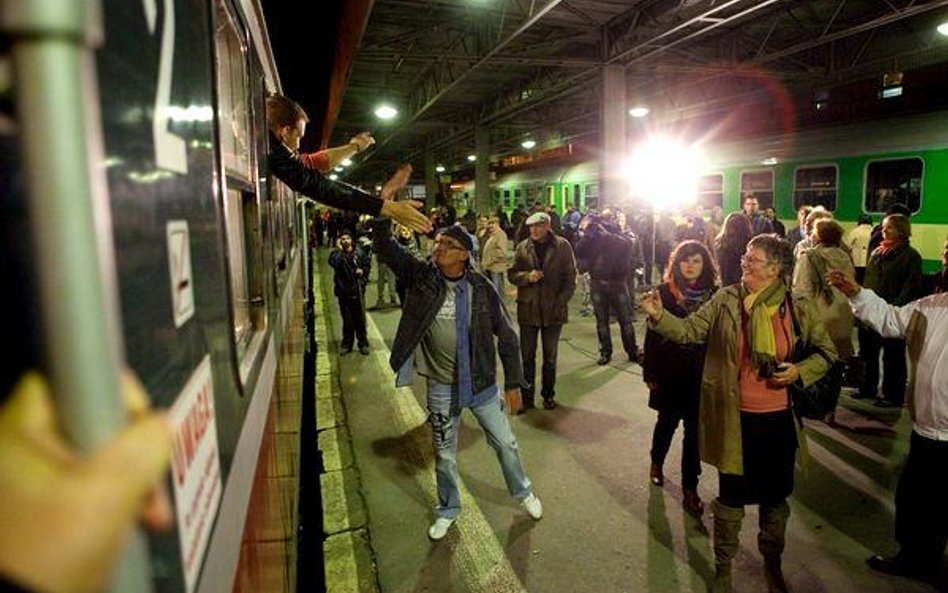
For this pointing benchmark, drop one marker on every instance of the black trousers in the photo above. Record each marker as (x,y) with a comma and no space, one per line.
(894,369)
(921,516)
(353,321)
(665,426)
(606,298)
(769,446)
(550,336)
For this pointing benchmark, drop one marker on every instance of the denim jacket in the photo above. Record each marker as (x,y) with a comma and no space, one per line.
(425,294)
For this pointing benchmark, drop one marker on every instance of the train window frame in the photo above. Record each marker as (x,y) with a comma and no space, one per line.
(592,196)
(720,192)
(865,181)
(244,218)
(797,204)
(764,203)
(240,161)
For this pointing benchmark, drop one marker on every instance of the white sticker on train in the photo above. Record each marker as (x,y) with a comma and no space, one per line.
(179,266)
(196,469)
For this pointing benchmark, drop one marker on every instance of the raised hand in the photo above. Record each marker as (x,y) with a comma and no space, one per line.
(652,304)
(396,182)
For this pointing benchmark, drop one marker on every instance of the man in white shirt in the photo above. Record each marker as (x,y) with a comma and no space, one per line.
(921,517)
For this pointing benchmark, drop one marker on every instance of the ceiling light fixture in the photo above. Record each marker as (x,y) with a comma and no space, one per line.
(439,169)
(385,112)
(943,28)
(346,162)
(638,111)
(472,157)
(528,144)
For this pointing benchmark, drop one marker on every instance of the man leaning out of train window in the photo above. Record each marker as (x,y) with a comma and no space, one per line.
(287,122)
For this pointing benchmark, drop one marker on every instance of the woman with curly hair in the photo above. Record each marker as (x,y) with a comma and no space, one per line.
(673,371)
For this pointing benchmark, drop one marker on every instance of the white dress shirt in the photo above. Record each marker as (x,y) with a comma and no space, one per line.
(924,325)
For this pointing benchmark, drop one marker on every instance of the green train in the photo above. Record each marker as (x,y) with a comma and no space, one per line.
(852,170)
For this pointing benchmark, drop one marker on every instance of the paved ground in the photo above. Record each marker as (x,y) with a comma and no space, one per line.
(605,529)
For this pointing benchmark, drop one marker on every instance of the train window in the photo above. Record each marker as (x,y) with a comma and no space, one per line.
(592,196)
(506,193)
(759,184)
(711,191)
(576,195)
(233,110)
(517,193)
(243,215)
(549,195)
(893,181)
(815,186)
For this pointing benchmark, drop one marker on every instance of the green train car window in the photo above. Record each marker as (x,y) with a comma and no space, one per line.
(759,184)
(815,186)
(893,181)
(711,191)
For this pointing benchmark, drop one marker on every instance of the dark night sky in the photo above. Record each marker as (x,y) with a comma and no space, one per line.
(303,36)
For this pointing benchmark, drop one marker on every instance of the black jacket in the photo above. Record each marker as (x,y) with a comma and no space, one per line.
(423,299)
(347,282)
(674,368)
(606,255)
(313,184)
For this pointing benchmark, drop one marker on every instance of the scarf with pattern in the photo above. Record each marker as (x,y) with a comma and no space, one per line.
(759,308)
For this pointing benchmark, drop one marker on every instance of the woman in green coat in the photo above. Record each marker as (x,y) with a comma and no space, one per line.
(746,426)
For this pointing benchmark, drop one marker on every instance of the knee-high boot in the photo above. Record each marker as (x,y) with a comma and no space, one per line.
(727,530)
(770,542)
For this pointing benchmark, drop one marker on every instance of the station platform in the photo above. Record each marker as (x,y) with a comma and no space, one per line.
(605,528)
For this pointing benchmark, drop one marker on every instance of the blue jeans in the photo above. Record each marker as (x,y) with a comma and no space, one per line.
(444,417)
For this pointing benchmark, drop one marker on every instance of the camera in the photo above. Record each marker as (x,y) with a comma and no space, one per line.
(769,367)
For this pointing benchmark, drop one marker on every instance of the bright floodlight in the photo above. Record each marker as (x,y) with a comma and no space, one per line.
(943,29)
(665,173)
(385,112)
(638,111)
(439,169)
(472,157)
(528,144)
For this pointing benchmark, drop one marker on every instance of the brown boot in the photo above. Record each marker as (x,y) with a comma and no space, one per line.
(770,542)
(727,530)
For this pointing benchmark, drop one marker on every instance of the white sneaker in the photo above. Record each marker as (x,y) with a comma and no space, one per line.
(533,506)
(439,528)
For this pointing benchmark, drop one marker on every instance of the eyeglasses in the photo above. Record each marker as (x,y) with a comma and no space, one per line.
(752,261)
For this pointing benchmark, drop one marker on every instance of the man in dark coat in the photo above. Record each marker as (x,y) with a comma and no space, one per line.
(544,272)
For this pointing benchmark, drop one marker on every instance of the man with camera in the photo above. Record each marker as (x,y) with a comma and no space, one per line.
(608,254)
(350,264)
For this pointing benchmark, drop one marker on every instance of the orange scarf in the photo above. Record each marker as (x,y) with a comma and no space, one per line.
(888,245)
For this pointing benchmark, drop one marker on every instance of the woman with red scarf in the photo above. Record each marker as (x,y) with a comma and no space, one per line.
(673,371)
(894,272)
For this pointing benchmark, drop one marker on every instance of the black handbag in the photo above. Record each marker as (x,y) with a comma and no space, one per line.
(818,399)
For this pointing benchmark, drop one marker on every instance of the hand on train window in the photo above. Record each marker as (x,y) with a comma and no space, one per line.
(66,517)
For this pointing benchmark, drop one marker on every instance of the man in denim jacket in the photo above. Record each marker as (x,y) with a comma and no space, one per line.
(450,318)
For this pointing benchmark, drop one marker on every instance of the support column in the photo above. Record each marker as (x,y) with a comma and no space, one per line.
(482,202)
(431,181)
(613,186)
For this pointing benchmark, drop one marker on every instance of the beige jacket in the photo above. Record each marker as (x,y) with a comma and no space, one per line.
(494,253)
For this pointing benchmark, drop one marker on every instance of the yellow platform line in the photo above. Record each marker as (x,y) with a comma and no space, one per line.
(478,554)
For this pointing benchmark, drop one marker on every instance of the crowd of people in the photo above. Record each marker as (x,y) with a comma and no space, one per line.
(737,303)
(738,300)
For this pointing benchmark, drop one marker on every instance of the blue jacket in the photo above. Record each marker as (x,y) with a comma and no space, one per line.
(424,296)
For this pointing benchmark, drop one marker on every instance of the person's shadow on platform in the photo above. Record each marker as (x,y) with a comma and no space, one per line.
(661,536)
